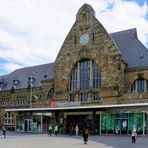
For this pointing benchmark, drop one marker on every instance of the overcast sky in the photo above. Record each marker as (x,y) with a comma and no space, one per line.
(32,31)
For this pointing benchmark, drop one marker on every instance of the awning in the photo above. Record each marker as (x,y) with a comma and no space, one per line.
(80,107)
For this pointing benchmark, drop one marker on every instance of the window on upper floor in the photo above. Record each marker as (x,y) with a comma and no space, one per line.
(5,102)
(96,96)
(21,100)
(85,75)
(140,86)
(84,97)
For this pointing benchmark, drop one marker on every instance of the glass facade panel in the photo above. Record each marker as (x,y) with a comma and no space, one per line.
(107,123)
(121,123)
(19,123)
(124,115)
(117,115)
(36,125)
(32,124)
(146,123)
(135,119)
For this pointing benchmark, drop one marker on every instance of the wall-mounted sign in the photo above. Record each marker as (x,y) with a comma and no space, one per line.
(68,104)
(53,104)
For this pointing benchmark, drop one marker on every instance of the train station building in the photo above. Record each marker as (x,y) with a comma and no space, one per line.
(98,78)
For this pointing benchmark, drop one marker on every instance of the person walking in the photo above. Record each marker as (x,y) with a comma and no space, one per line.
(138,131)
(77,130)
(85,135)
(71,129)
(50,130)
(133,136)
(4,131)
(56,130)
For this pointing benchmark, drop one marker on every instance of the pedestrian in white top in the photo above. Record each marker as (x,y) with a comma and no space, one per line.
(77,130)
(134,134)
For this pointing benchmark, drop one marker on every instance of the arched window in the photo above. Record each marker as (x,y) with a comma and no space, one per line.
(140,86)
(85,75)
(50,94)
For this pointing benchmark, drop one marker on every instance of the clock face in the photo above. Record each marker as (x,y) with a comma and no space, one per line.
(84,39)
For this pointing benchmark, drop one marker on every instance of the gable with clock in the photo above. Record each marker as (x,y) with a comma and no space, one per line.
(87,39)
(84,39)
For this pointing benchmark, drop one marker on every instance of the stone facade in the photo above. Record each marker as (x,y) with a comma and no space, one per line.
(116,78)
(100,49)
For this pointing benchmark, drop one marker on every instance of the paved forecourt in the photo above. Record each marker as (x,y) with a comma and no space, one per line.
(44,141)
(40,141)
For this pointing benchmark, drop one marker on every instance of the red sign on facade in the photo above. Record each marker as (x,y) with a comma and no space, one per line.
(53,104)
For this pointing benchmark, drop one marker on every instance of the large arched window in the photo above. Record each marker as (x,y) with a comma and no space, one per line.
(140,86)
(85,75)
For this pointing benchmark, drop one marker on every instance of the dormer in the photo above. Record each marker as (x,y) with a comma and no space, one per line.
(16,82)
(2,83)
(31,80)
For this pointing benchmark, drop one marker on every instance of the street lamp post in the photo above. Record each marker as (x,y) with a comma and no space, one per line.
(30,95)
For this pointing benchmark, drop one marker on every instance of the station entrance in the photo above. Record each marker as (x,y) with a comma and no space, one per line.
(83,120)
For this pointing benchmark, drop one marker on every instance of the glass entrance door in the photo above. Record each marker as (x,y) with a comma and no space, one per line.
(117,128)
(28,125)
(124,126)
(121,126)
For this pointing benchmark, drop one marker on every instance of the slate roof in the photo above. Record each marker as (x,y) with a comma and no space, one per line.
(39,73)
(132,50)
